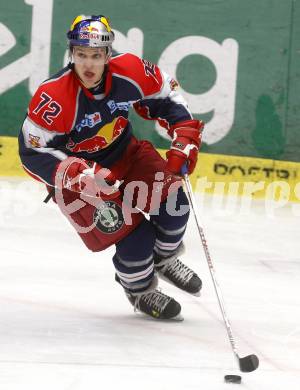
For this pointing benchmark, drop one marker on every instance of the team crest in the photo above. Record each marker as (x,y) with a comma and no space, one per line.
(34,141)
(108,218)
(174,84)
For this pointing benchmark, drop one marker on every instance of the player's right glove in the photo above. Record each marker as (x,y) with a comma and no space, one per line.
(88,178)
(185,145)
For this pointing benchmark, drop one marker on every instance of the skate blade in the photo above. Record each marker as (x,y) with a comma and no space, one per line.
(178,318)
(197,294)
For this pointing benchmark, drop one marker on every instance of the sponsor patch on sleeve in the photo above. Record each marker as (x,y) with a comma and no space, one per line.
(34,140)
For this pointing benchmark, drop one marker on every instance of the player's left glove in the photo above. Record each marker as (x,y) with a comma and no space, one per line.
(185,145)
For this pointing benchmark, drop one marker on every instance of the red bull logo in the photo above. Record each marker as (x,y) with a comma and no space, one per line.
(105,136)
(88,29)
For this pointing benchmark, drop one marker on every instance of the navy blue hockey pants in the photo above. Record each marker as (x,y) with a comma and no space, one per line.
(163,234)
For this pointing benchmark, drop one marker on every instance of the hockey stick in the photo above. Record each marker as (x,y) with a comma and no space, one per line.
(248,363)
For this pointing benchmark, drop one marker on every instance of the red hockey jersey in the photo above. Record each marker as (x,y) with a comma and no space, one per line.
(66,119)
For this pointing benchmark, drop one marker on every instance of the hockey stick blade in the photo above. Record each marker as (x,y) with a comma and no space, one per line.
(248,363)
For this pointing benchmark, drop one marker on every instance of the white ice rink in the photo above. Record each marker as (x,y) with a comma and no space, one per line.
(66,325)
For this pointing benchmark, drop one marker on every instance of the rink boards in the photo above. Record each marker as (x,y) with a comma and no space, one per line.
(215,174)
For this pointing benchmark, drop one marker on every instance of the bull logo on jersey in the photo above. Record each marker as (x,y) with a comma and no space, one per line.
(105,136)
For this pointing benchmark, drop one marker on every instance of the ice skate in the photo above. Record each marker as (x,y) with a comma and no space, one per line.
(154,303)
(174,271)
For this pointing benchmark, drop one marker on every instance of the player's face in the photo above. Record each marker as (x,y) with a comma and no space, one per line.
(89,64)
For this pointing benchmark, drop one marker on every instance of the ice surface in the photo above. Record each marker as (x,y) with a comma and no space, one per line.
(66,325)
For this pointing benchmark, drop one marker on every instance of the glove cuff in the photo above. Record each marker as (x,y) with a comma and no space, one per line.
(192,123)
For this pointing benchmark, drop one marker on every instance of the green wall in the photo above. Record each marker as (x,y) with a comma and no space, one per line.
(237,61)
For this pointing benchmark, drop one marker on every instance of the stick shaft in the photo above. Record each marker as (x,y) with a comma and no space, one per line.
(210,265)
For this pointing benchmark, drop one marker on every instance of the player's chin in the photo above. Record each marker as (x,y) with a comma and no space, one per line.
(88,82)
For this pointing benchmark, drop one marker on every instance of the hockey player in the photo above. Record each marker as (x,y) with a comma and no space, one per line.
(77,139)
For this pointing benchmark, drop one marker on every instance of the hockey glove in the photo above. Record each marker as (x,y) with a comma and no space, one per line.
(88,178)
(185,145)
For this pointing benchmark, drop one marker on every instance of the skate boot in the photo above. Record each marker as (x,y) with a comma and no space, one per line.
(154,303)
(172,270)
